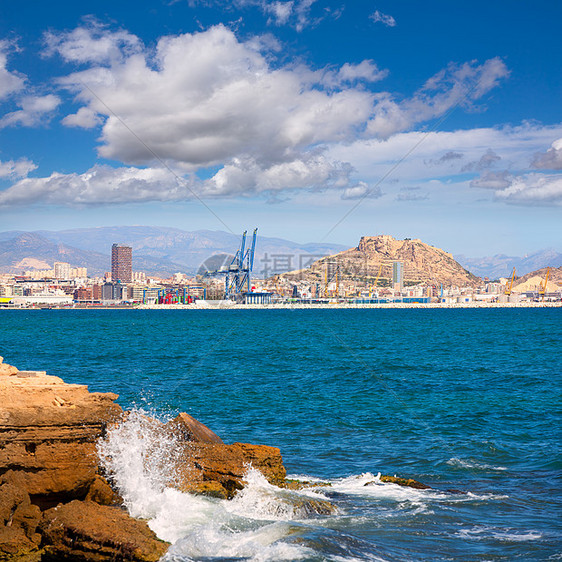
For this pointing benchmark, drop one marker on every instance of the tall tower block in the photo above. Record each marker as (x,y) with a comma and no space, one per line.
(121,263)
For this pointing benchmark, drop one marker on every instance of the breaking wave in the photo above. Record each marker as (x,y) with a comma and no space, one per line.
(262,522)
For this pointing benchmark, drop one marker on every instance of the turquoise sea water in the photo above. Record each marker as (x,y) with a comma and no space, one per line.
(463,400)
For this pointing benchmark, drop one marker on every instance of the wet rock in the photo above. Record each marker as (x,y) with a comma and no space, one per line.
(290,484)
(189,429)
(407,482)
(210,489)
(266,459)
(227,465)
(307,507)
(84,530)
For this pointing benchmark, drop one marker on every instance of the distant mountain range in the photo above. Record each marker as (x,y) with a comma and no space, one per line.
(156,250)
(162,251)
(501,265)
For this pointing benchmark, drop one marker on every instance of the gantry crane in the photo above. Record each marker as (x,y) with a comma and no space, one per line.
(238,273)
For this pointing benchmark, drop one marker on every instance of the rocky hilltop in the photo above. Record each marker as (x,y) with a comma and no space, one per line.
(422,263)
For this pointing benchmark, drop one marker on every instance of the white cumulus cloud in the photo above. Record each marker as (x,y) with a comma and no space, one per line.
(34,111)
(16,168)
(84,118)
(10,81)
(99,185)
(91,43)
(533,189)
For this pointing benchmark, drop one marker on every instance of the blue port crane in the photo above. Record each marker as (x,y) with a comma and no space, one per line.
(238,273)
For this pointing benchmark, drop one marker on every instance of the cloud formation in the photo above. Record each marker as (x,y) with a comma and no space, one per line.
(295,13)
(493,180)
(16,168)
(457,85)
(551,159)
(362,191)
(10,81)
(385,19)
(486,161)
(92,43)
(207,99)
(34,111)
(533,189)
(99,185)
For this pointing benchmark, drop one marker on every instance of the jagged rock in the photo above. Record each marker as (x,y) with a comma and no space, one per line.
(266,459)
(407,482)
(290,484)
(308,507)
(48,434)
(86,531)
(189,429)
(18,521)
(227,465)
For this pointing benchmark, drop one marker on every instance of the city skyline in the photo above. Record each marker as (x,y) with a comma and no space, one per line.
(314,120)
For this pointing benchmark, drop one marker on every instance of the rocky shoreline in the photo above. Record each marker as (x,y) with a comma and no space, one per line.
(56,500)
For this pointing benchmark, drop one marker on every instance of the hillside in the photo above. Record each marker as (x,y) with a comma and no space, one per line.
(532,281)
(30,250)
(422,263)
(156,250)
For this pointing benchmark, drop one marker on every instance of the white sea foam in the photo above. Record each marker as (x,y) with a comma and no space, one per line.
(482,532)
(473,465)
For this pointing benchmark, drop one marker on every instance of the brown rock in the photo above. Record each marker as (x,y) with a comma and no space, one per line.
(407,482)
(18,521)
(189,429)
(91,532)
(48,434)
(266,459)
(211,489)
(102,493)
(227,465)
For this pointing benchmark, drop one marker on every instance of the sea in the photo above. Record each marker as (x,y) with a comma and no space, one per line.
(466,401)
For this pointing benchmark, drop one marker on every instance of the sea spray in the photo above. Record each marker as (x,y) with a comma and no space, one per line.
(141,459)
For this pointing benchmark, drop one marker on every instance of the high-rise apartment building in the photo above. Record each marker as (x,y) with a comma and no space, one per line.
(62,270)
(121,263)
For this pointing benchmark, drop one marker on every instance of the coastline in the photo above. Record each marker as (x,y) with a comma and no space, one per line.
(222,305)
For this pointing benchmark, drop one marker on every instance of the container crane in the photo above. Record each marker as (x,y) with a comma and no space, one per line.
(238,272)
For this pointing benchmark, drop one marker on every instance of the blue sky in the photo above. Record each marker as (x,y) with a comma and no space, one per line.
(313,120)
